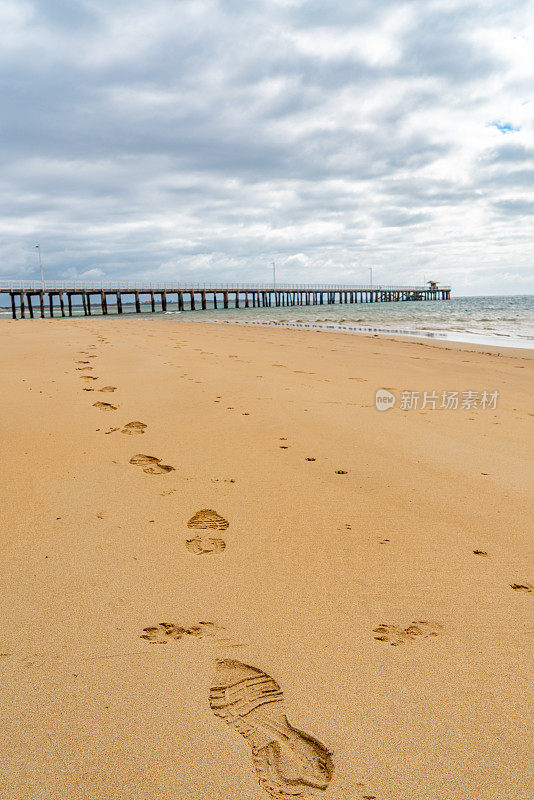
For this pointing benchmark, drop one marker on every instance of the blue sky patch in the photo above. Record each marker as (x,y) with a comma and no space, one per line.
(504,127)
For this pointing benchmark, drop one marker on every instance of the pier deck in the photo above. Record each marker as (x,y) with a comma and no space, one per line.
(64,298)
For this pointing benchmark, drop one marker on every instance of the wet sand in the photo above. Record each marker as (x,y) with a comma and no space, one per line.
(366,572)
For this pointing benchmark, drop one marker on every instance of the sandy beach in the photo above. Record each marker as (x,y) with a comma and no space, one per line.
(369,570)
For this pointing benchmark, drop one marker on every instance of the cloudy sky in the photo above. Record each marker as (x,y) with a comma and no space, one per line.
(201,139)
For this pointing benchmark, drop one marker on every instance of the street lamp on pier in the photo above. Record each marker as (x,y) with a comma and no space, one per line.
(38,246)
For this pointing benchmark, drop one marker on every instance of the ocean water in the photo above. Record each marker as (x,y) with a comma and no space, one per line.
(504,321)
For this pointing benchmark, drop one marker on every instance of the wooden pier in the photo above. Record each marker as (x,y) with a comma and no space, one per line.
(64,299)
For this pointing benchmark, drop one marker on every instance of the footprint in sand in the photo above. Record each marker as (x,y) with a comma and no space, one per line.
(168,631)
(107,389)
(88,377)
(104,406)
(362,787)
(133,428)
(201,545)
(83,369)
(522,587)
(81,362)
(288,762)
(150,464)
(207,519)
(396,635)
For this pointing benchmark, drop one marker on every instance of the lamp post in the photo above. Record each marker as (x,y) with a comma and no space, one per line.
(371,276)
(38,246)
(274,274)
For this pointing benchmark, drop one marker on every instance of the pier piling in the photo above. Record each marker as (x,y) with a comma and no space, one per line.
(246,295)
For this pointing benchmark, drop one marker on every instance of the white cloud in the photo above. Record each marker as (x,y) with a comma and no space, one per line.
(207,137)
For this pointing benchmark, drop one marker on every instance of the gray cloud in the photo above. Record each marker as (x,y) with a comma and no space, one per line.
(515,206)
(396,218)
(204,137)
(510,154)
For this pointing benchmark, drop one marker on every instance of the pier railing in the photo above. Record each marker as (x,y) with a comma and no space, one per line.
(231,295)
(173,286)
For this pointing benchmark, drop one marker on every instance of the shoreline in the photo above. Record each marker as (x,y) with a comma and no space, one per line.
(437,338)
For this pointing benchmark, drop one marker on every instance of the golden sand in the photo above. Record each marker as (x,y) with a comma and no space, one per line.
(362,576)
